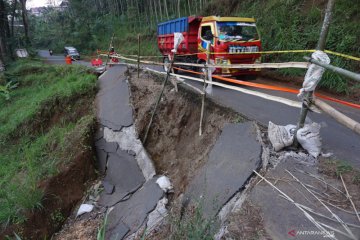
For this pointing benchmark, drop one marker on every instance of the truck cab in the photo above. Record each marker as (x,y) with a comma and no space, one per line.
(233,40)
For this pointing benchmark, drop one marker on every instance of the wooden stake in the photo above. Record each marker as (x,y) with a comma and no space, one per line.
(108,55)
(138,59)
(204,87)
(158,100)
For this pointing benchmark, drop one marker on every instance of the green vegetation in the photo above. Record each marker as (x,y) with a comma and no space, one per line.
(283,24)
(296,24)
(40,129)
(192,225)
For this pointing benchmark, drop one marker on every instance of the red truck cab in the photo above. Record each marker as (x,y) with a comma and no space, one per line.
(233,40)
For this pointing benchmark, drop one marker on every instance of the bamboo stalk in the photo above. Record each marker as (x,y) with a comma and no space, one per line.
(325,206)
(204,88)
(138,59)
(338,116)
(307,215)
(158,100)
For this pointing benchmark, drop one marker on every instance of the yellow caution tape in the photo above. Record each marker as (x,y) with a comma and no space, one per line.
(264,52)
(342,55)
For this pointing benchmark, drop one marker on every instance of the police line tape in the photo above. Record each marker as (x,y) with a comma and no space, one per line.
(246,83)
(242,66)
(244,53)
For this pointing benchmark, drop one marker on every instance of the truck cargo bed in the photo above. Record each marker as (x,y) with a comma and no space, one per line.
(188,26)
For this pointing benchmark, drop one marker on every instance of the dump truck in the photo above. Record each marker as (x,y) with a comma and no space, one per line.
(233,40)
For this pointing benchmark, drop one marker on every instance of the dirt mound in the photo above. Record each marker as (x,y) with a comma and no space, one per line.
(173,142)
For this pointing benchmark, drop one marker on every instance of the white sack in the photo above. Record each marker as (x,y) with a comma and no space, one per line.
(314,73)
(309,138)
(178,38)
(281,136)
(84,208)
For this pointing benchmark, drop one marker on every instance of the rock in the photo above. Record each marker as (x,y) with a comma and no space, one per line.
(164,183)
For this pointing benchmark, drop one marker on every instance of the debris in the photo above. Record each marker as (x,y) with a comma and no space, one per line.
(84,208)
(281,136)
(164,183)
(156,216)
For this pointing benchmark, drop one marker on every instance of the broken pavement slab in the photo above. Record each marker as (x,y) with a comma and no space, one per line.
(133,212)
(125,174)
(231,163)
(114,110)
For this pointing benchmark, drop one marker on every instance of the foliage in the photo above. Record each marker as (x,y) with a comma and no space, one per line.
(295,24)
(5,90)
(101,231)
(30,148)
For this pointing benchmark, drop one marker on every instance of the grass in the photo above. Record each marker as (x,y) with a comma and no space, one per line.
(33,145)
(192,226)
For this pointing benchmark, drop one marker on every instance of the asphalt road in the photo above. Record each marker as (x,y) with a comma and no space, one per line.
(337,139)
(59,59)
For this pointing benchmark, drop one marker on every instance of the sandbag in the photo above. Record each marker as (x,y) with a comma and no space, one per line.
(309,138)
(281,136)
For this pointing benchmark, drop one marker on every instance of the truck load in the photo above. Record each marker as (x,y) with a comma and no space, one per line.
(228,37)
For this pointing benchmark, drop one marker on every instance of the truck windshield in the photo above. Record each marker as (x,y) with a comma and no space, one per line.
(237,31)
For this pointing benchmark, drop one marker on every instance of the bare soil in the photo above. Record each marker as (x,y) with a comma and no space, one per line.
(173,142)
(333,169)
(246,224)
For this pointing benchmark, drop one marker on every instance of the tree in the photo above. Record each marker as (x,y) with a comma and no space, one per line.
(4,32)
(25,21)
